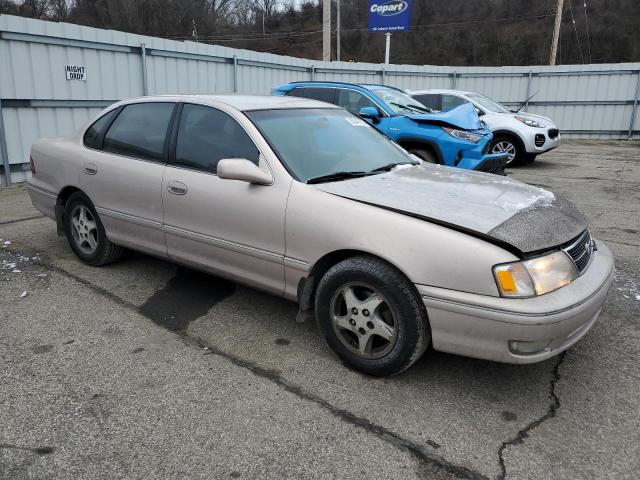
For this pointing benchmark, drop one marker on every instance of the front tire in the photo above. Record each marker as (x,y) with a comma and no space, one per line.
(371,316)
(86,234)
(424,155)
(507,144)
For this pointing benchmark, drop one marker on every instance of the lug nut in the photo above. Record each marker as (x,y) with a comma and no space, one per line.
(354,310)
(365,312)
(352,322)
(370,325)
(362,331)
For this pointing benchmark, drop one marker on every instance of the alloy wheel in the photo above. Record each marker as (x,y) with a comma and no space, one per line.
(84,229)
(363,320)
(504,146)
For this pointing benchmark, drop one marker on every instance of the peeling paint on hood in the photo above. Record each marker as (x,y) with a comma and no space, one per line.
(463,116)
(525,217)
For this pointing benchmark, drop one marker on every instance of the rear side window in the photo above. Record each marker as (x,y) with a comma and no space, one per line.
(322,94)
(93,136)
(433,101)
(207,135)
(354,101)
(296,92)
(451,101)
(140,131)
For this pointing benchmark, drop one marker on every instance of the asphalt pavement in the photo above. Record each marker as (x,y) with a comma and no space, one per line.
(143,369)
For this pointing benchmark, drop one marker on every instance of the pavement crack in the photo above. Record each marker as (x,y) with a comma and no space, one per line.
(422,454)
(522,434)
(18,220)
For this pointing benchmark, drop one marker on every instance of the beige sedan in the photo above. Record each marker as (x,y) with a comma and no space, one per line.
(307,201)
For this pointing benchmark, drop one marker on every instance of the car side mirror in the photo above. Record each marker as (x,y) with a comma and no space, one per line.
(478,111)
(243,170)
(371,113)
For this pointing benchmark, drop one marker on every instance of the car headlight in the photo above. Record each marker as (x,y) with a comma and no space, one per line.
(529,122)
(536,276)
(463,135)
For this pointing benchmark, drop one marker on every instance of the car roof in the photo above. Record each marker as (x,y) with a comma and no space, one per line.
(440,90)
(239,102)
(321,83)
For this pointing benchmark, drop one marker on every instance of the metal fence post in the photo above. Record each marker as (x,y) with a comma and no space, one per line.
(383,75)
(3,152)
(635,107)
(145,85)
(453,79)
(313,72)
(235,74)
(526,100)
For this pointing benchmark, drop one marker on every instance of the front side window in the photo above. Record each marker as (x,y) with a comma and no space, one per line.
(321,94)
(451,101)
(431,100)
(140,131)
(354,101)
(93,136)
(313,142)
(207,135)
(296,92)
(399,102)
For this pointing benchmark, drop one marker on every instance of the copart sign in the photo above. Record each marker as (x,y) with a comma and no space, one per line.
(389,15)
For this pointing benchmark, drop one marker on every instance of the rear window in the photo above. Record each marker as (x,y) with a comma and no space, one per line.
(140,131)
(322,94)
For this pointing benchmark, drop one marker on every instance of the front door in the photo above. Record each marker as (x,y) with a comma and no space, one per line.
(232,228)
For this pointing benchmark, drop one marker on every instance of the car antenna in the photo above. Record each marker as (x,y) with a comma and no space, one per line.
(525,102)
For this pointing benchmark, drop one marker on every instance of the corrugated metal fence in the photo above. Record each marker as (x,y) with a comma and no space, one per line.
(37,99)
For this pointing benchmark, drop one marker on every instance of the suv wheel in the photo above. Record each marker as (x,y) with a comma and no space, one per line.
(371,316)
(424,155)
(506,144)
(86,234)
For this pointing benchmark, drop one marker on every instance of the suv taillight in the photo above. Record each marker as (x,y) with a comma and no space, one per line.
(32,165)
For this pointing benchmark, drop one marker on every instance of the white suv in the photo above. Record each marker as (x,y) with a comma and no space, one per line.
(521,135)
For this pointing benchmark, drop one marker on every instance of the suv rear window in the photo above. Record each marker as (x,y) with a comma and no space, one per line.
(321,93)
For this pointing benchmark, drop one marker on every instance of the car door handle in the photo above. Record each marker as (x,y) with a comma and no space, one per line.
(90,169)
(177,188)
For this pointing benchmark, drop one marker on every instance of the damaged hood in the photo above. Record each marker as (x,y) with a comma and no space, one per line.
(463,116)
(509,212)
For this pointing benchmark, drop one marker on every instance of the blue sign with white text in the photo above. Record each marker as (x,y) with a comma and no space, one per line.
(389,15)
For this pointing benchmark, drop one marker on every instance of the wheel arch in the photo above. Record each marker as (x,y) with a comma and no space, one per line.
(308,285)
(511,134)
(416,142)
(61,202)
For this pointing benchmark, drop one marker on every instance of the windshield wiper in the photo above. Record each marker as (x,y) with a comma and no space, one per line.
(415,108)
(337,176)
(386,168)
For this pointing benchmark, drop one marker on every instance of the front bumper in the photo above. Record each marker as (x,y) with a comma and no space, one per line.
(481,326)
(548,143)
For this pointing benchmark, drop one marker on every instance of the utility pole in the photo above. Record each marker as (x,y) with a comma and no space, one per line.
(338,30)
(387,48)
(556,33)
(326,30)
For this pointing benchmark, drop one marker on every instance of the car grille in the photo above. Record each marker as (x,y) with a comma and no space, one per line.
(581,250)
(553,132)
(540,140)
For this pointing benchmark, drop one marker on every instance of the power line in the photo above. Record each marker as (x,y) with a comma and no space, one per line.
(586,23)
(576,30)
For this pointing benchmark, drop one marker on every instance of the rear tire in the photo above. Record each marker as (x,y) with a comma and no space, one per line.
(85,232)
(371,316)
(509,145)
(424,155)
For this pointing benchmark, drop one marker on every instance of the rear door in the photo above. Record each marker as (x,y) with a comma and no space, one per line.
(229,227)
(123,172)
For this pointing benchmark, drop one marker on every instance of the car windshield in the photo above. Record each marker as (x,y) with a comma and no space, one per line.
(316,142)
(399,102)
(488,104)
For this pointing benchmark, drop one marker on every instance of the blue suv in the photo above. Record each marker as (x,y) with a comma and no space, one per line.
(455,138)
